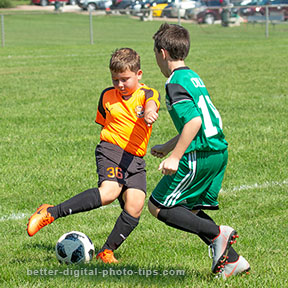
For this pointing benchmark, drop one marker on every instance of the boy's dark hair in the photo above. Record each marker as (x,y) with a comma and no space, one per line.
(173,38)
(123,59)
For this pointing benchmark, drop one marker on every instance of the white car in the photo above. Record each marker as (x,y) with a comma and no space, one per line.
(182,5)
(94,4)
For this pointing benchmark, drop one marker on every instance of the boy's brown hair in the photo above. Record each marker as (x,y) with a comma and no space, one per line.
(124,59)
(173,38)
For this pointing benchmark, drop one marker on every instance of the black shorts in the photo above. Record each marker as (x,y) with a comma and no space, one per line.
(115,164)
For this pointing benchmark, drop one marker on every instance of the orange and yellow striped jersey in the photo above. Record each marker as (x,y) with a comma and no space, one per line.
(123,119)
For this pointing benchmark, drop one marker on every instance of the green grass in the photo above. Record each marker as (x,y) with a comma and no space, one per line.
(13,3)
(20,2)
(50,82)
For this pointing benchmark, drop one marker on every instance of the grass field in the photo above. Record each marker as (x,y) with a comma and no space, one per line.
(50,82)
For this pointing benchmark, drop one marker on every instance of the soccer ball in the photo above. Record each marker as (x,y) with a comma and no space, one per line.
(74,247)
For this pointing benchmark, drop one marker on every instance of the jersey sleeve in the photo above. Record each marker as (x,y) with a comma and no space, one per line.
(186,110)
(101,113)
(182,102)
(152,94)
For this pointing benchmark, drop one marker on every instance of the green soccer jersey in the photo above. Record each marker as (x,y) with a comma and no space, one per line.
(187,98)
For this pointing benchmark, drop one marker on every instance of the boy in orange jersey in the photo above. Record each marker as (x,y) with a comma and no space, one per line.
(126,112)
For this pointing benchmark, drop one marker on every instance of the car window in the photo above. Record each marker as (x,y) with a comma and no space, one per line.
(263,2)
(212,3)
(161,1)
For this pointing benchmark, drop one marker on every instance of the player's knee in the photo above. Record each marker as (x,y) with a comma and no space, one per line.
(153,209)
(133,211)
(134,201)
(108,194)
(135,207)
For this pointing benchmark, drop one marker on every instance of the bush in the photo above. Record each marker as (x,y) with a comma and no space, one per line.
(5,4)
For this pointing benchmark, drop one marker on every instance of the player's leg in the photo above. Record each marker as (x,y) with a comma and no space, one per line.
(208,199)
(132,202)
(183,219)
(179,217)
(183,188)
(236,264)
(88,200)
(232,254)
(110,182)
(193,177)
(82,202)
(127,221)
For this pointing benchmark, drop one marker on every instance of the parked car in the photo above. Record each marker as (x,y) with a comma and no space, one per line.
(158,6)
(171,10)
(138,7)
(277,7)
(206,11)
(121,5)
(94,4)
(250,7)
(51,2)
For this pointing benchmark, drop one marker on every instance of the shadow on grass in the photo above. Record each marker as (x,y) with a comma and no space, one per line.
(41,246)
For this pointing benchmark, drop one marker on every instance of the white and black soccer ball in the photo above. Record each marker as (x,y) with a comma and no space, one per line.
(74,247)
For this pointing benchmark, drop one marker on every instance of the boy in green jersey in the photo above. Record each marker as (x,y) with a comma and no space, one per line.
(194,171)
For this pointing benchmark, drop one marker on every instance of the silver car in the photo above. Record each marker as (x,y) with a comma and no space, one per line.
(182,5)
(94,4)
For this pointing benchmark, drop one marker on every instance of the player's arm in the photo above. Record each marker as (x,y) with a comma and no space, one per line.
(170,165)
(150,113)
(163,149)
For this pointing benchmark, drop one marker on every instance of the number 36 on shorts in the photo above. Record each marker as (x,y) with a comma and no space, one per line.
(115,172)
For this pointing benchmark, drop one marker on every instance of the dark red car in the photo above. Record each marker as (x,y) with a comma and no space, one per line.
(206,11)
(278,7)
(249,8)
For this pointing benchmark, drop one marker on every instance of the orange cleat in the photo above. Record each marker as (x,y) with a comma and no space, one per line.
(39,219)
(107,256)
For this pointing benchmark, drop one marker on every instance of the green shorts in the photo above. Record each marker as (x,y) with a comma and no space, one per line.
(196,184)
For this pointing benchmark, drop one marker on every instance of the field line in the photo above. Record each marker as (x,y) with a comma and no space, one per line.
(19,216)
(45,56)
(13,216)
(255,186)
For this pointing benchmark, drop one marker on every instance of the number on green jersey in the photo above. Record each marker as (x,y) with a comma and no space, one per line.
(210,130)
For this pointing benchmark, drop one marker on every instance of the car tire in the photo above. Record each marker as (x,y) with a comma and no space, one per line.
(209,19)
(92,7)
(124,11)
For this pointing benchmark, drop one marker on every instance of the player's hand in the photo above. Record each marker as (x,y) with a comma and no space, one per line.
(150,117)
(159,151)
(169,166)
